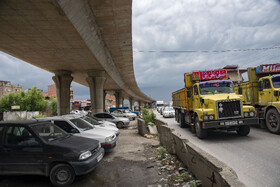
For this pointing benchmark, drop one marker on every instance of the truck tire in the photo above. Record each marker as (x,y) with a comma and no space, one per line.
(182,120)
(176,116)
(200,133)
(273,121)
(243,130)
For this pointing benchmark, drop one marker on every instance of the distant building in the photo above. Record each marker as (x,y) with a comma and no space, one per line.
(6,87)
(110,101)
(234,73)
(52,92)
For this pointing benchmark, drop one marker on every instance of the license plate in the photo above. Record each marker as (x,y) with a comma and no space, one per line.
(231,123)
(99,157)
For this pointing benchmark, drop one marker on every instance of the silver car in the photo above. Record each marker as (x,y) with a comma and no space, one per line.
(124,113)
(119,121)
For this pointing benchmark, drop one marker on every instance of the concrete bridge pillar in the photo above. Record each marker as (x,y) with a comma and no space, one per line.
(96,80)
(119,99)
(140,105)
(63,81)
(131,103)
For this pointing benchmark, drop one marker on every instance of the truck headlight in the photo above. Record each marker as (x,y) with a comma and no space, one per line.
(246,114)
(211,117)
(205,117)
(85,155)
(252,114)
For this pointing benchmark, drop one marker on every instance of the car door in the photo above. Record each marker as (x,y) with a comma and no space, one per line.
(266,95)
(23,152)
(196,97)
(109,117)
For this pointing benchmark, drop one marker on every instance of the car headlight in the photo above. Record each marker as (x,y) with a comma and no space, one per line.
(252,114)
(246,114)
(85,155)
(108,139)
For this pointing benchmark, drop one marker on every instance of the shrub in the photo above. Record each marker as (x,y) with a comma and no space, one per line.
(149,117)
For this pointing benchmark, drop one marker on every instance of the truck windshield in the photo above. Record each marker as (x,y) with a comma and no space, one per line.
(215,88)
(276,82)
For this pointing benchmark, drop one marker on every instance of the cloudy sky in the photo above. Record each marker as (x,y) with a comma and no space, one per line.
(171,37)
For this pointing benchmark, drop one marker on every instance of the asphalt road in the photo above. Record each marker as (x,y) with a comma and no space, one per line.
(255,158)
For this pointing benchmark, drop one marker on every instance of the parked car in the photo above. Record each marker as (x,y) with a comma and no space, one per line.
(100,124)
(124,113)
(41,148)
(161,110)
(112,109)
(168,112)
(78,127)
(119,121)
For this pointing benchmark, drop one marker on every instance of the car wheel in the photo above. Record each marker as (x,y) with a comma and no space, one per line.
(243,130)
(200,133)
(273,121)
(120,124)
(62,175)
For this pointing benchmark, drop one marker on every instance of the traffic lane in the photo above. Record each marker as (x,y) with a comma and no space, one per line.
(255,158)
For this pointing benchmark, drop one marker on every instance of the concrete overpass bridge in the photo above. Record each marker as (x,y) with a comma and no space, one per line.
(86,41)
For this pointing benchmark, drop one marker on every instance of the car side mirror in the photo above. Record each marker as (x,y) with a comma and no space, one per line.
(260,86)
(74,131)
(276,93)
(189,92)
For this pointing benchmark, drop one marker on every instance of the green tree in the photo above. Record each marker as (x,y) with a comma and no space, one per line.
(32,100)
(53,105)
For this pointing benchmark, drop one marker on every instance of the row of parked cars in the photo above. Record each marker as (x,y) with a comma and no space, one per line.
(166,111)
(59,147)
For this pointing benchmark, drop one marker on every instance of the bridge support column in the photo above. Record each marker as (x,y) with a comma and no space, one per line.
(119,99)
(96,80)
(131,103)
(63,81)
(140,105)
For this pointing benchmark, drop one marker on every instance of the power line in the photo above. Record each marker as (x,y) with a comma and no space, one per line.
(207,51)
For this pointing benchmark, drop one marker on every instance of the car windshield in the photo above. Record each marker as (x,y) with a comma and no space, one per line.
(215,88)
(49,131)
(81,124)
(276,82)
(90,120)
(168,109)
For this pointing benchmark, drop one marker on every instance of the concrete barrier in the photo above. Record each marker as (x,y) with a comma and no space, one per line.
(205,167)
(142,128)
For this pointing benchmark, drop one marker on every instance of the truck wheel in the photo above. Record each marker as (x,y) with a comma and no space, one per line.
(192,128)
(200,133)
(176,116)
(182,121)
(62,175)
(273,121)
(243,130)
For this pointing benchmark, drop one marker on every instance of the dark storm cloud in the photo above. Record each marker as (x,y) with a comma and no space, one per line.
(202,27)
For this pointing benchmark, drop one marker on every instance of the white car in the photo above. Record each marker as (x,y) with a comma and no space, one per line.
(168,112)
(101,124)
(124,113)
(79,127)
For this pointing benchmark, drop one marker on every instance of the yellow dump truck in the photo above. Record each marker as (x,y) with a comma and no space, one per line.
(208,101)
(262,90)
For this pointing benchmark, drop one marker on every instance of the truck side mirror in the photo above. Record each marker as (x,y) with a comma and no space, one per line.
(276,93)
(189,92)
(239,90)
(260,86)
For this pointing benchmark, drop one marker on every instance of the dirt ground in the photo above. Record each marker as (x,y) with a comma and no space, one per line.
(131,163)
